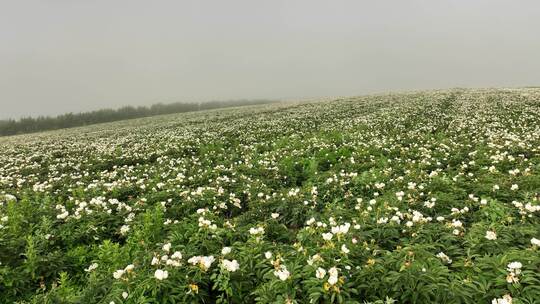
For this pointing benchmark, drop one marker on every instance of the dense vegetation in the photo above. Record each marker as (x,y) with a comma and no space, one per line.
(427,197)
(70,120)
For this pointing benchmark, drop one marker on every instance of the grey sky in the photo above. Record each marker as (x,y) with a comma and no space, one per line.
(59,56)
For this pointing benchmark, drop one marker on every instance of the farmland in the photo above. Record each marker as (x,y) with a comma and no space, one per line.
(422,197)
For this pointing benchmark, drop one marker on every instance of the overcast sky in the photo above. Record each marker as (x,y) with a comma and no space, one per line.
(60,56)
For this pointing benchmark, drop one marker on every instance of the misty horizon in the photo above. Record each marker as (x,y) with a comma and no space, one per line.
(72,56)
(299,98)
(143,106)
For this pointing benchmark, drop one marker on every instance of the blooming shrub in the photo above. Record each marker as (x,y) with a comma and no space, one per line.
(429,197)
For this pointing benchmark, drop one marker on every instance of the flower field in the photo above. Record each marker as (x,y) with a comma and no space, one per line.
(424,197)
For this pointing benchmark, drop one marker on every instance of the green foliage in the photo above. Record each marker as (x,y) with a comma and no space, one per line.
(425,197)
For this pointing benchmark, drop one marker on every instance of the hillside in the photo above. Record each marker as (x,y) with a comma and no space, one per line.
(424,197)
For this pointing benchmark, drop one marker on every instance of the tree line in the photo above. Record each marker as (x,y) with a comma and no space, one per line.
(70,120)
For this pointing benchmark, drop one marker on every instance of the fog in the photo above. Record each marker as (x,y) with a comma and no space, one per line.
(60,56)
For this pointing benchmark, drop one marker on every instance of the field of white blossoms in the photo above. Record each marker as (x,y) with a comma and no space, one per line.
(425,197)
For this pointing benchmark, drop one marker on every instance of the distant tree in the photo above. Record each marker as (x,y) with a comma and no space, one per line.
(70,120)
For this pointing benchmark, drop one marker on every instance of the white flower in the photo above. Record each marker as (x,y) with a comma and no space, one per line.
(118,274)
(161,274)
(535,242)
(275,215)
(268,255)
(166,247)
(124,295)
(327,236)
(63,215)
(129,268)
(333,276)
(506,299)
(444,257)
(344,249)
(207,261)
(9,197)
(177,255)
(174,263)
(491,235)
(343,229)
(155,261)
(204,262)
(124,229)
(315,258)
(514,187)
(282,273)
(231,266)
(514,269)
(91,267)
(256,231)
(512,278)
(332,280)
(226,250)
(457,224)
(514,266)
(320,273)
